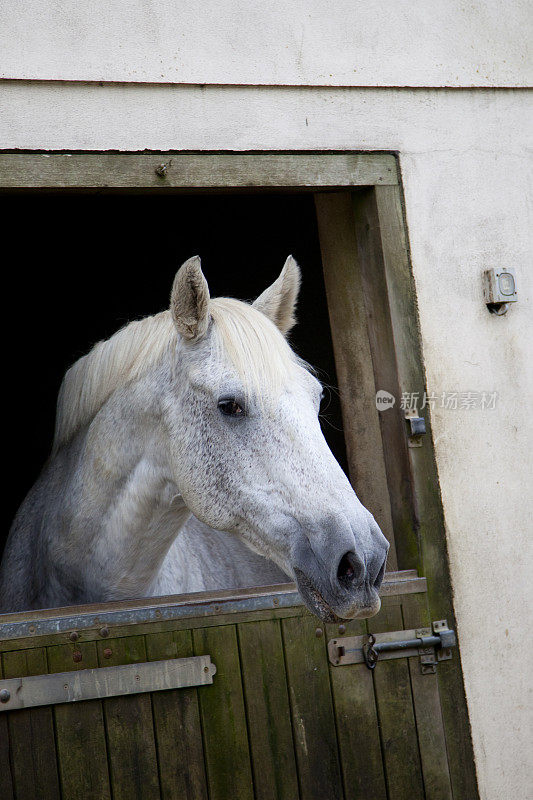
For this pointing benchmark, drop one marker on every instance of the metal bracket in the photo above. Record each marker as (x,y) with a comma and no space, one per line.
(430,644)
(92,684)
(416,426)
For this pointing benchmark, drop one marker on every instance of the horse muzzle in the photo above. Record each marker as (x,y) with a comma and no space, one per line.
(341,588)
(362,603)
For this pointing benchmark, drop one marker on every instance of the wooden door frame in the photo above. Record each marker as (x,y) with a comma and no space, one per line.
(375,328)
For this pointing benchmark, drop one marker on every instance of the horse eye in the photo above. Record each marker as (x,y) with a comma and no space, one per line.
(230,408)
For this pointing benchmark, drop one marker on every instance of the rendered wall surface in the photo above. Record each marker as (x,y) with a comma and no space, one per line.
(345,43)
(467,172)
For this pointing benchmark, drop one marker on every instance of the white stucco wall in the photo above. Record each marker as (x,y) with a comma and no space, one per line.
(467,172)
(345,43)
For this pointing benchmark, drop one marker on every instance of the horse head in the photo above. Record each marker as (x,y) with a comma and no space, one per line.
(246,448)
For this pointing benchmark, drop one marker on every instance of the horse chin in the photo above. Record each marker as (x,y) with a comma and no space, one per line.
(313,599)
(316,603)
(318,606)
(365,612)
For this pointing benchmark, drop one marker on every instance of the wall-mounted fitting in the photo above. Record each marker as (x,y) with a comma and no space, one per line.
(416,428)
(499,289)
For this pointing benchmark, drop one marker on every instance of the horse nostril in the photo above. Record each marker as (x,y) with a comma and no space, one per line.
(350,569)
(378,580)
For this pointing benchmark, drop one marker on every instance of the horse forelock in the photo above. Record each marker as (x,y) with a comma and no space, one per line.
(254,346)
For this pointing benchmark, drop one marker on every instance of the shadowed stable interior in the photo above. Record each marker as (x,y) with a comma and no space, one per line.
(84,265)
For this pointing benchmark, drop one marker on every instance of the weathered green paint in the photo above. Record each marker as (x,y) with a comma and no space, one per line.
(267,710)
(129,726)
(376,300)
(177,725)
(6,781)
(227,755)
(397,724)
(343,279)
(357,724)
(313,719)
(428,712)
(278,721)
(31,734)
(80,730)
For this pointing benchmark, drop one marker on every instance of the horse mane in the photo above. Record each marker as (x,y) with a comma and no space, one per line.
(253,344)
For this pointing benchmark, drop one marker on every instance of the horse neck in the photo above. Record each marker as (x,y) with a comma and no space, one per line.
(126,510)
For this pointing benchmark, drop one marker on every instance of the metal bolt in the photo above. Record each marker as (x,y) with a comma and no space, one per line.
(108,652)
(137,678)
(318,633)
(77,656)
(206,669)
(104,632)
(276,601)
(32,629)
(342,628)
(74,636)
(161,170)
(4,695)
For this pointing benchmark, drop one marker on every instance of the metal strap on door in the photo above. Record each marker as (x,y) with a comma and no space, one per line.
(430,644)
(93,684)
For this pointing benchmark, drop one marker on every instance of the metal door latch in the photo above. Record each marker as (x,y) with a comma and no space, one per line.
(430,644)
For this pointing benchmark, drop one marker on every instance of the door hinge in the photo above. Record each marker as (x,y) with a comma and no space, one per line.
(431,645)
(100,682)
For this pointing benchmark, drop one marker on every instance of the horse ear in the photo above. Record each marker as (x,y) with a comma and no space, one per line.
(189,300)
(278,302)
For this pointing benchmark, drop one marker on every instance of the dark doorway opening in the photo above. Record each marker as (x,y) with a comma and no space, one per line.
(85,265)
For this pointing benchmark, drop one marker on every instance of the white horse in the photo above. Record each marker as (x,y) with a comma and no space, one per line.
(188,456)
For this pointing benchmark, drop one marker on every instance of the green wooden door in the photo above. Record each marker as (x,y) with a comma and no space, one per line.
(279,720)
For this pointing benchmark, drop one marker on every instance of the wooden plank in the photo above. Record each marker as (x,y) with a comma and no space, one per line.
(194,605)
(268,710)
(357,724)
(138,628)
(80,731)
(392,423)
(31,734)
(223,717)
(125,618)
(208,602)
(188,171)
(177,725)
(129,727)
(432,536)
(7,791)
(313,718)
(353,359)
(396,717)
(428,712)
